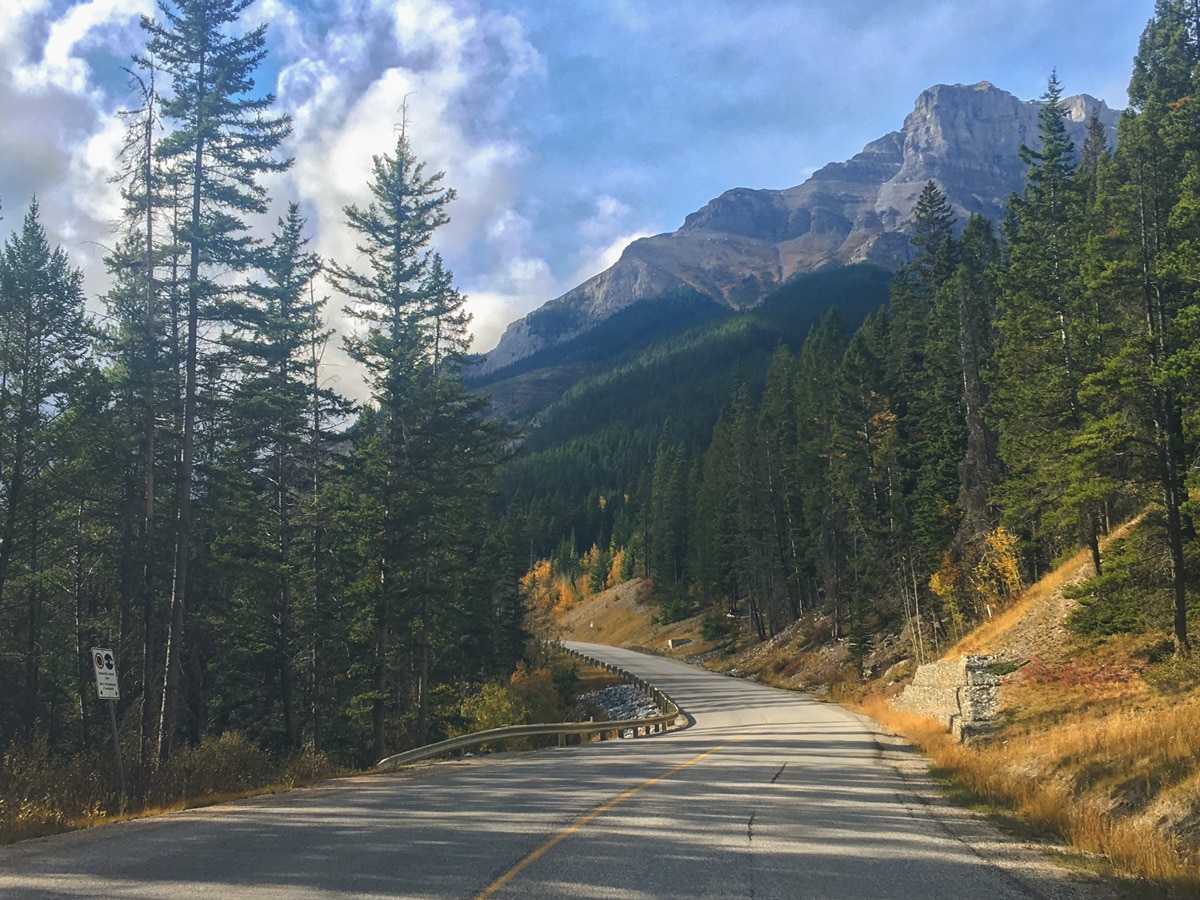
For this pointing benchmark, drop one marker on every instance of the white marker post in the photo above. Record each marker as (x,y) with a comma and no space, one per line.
(104,664)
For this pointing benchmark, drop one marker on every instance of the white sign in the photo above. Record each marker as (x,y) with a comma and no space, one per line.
(104,664)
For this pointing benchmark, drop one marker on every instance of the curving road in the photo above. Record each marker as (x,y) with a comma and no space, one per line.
(765,794)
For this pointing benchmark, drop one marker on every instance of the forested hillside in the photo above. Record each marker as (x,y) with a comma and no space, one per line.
(600,436)
(1029,384)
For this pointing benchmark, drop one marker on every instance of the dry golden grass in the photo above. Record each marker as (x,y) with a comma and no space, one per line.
(1084,747)
(591,678)
(40,795)
(1105,784)
(989,635)
(798,658)
(623,616)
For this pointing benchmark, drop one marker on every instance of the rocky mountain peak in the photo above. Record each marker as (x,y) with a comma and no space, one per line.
(742,245)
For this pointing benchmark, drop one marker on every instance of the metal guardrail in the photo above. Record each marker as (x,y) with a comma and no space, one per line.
(562,730)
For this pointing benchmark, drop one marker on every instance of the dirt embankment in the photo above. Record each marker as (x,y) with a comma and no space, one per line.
(625,616)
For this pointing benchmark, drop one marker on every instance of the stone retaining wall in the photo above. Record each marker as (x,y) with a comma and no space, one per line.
(960,693)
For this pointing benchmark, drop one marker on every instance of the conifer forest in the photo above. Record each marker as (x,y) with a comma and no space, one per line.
(268,558)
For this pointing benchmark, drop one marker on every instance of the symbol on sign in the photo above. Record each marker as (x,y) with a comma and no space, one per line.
(105,665)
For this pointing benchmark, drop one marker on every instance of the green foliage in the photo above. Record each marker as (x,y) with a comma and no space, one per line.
(184,487)
(715,625)
(1174,674)
(603,432)
(49,394)
(1133,595)
(859,640)
(564,674)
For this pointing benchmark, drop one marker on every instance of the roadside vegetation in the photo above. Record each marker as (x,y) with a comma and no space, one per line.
(1092,753)
(1029,385)
(42,793)
(291,582)
(888,492)
(296,584)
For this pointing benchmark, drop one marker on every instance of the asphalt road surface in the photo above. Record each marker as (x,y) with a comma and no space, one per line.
(765,794)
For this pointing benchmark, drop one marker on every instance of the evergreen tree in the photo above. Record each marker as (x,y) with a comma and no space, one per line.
(666,525)
(221,144)
(279,421)
(141,344)
(1042,357)
(779,430)
(758,579)
(865,471)
(434,452)
(923,377)
(824,523)
(712,557)
(44,338)
(1147,263)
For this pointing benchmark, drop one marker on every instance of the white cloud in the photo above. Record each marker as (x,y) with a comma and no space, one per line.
(602,258)
(344,72)
(646,110)
(604,235)
(448,70)
(60,132)
(98,23)
(506,294)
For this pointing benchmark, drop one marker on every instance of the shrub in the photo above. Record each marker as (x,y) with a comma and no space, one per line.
(306,766)
(217,765)
(715,626)
(29,804)
(494,706)
(1130,597)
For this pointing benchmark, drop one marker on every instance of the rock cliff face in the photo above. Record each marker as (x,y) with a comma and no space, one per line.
(745,243)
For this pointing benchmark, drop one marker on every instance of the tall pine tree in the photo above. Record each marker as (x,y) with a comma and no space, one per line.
(431,450)
(222,142)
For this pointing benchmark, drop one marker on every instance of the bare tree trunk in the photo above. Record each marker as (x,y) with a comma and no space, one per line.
(382,647)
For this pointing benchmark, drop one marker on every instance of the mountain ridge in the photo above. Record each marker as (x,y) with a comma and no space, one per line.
(745,243)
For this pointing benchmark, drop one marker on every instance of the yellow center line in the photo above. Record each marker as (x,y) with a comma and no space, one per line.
(591,817)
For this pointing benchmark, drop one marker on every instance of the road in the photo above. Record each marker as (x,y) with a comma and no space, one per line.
(765,794)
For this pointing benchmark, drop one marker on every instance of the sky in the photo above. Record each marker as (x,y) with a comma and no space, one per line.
(568,128)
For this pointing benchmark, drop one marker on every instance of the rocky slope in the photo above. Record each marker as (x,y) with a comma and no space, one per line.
(745,243)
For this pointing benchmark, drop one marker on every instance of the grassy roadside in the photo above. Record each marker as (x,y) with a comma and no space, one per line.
(41,795)
(1116,780)
(1099,749)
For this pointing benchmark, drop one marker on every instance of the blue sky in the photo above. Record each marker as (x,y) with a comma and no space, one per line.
(568,127)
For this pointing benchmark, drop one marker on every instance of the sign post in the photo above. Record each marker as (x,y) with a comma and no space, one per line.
(104,664)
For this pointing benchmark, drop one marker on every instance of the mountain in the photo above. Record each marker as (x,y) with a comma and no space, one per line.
(746,243)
